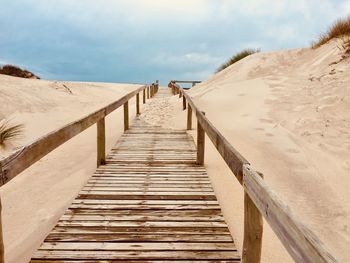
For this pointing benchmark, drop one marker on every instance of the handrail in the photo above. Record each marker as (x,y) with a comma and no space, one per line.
(259,201)
(193,82)
(21,159)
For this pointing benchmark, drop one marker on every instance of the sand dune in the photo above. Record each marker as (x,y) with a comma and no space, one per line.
(288,113)
(33,201)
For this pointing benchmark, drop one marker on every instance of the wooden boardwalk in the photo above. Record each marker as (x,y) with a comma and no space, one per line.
(149,203)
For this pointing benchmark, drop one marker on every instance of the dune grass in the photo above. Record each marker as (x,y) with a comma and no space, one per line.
(9,131)
(15,71)
(238,56)
(339,29)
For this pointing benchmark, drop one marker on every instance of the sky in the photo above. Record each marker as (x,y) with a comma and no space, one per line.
(139,41)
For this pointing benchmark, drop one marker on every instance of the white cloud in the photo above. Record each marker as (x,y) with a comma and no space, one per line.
(185,60)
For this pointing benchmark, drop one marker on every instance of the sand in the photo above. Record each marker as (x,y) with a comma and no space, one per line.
(34,200)
(288,113)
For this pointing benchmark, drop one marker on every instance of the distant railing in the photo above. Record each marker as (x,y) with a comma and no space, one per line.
(193,82)
(259,200)
(20,160)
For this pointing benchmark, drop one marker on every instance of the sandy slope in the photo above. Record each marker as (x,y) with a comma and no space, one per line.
(288,113)
(34,200)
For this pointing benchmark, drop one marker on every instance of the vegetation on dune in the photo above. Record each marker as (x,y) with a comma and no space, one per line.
(15,71)
(339,29)
(240,55)
(9,131)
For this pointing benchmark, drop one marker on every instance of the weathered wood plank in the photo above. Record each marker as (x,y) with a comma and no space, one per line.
(203,255)
(138,246)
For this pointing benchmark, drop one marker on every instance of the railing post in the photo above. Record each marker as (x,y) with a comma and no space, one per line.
(189,117)
(200,143)
(126,115)
(183,103)
(144,96)
(2,249)
(253,231)
(137,104)
(101,142)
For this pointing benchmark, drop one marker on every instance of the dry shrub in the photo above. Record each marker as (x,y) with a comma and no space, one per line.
(339,29)
(9,131)
(15,71)
(240,55)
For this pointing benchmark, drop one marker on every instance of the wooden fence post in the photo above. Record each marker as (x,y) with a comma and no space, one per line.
(253,231)
(126,115)
(148,92)
(101,142)
(180,93)
(189,117)
(2,249)
(200,143)
(137,104)
(183,103)
(144,96)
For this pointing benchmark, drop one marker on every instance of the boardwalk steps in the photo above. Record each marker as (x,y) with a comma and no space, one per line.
(150,203)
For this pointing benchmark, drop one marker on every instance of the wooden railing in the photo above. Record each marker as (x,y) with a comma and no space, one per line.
(259,200)
(192,82)
(20,160)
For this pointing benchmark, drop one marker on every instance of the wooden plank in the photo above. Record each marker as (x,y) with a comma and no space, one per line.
(138,246)
(148,196)
(101,142)
(141,224)
(301,243)
(131,261)
(147,202)
(126,255)
(184,230)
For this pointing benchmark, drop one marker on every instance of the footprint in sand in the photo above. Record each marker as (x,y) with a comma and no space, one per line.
(266,120)
(269,134)
(259,129)
(241,94)
(292,150)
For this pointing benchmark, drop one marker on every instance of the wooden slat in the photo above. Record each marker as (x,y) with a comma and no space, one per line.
(127,255)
